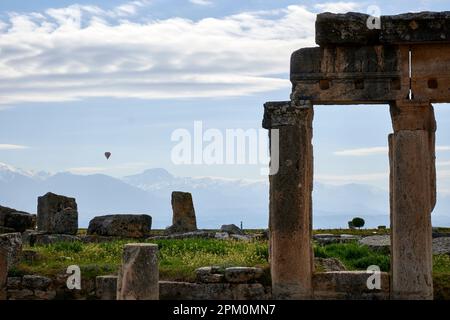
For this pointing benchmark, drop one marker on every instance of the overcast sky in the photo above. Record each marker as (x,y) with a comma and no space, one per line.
(81,78)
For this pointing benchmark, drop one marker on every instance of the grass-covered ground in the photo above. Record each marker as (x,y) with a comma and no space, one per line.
(180,258)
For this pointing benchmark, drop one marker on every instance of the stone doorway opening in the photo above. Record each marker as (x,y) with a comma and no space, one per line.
(351,165)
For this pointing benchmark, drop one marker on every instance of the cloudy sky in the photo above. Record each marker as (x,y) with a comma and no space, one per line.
(78,78)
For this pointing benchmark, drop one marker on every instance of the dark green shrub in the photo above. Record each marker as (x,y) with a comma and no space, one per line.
(358,222)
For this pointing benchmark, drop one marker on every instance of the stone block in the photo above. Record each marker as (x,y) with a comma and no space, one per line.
(14,220)
(349,285)
(209,275)
(139,274)
(46,239)
(170,290)
(412,28)
(36,282)
(106,287)
(11,243)
(345,29)
(183,219)
(243,274)
(3,273)
(121,225)
(57,214)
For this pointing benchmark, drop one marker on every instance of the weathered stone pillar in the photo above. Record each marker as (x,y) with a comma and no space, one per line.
(413,196)
(139,276)
(183,219)
(291,255)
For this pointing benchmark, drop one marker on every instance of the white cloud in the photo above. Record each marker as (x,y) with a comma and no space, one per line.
(12,147)
(362,152)
(86,170)
(443,174)
(109,168)
(350,178)
(338,7)
(130,8)
(443,163)
(84,51)
(374,151)
(201,2)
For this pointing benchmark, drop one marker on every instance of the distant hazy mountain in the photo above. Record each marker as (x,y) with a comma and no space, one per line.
(217,201)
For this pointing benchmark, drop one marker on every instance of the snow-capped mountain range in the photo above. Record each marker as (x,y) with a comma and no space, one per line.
(217,200)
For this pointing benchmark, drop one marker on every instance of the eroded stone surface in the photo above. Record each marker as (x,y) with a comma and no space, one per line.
(106,287)
(3,273)
(57,214)
(209,275)
(139,274)
(349,285)
(344,29)
(213,291)
(184,219)
(39,238)
(15,221)
(421,27)
(409,28)
(121,225)
(36,282)
(291,256)
(11,243)
(242,274)
(412,200)
(380,243)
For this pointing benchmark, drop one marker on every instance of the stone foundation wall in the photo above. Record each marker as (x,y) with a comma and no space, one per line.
(342,285)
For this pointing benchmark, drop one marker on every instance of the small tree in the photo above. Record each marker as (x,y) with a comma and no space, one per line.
(358,222)
(350,225)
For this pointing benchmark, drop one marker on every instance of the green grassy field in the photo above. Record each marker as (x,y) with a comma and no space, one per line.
(179,258)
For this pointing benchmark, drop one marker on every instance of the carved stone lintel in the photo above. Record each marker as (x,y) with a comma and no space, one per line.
(286,113)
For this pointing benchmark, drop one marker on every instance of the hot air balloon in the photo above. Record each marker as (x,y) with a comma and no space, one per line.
(107,155)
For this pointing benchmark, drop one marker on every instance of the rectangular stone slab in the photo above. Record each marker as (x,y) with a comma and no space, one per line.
(410,28)
(343,29)
(349,75)
(431,72)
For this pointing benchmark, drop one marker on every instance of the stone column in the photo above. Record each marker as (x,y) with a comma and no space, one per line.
(291,255)
(413,196)
(139,276)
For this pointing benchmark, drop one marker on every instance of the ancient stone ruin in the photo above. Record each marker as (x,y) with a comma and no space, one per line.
(3,273)
(184,219)
(121,225)
(12,220)
(405,64)
(139,276)
(57,214)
